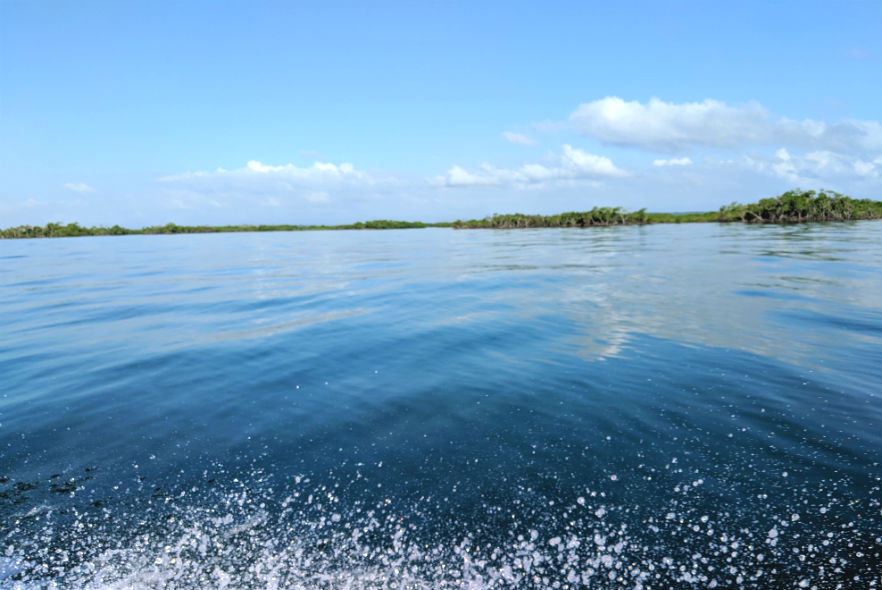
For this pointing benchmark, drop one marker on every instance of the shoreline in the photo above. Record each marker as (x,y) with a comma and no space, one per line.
(789,208)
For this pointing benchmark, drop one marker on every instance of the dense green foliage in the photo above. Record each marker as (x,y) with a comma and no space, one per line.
(597,216)
(792,207)
(797,206)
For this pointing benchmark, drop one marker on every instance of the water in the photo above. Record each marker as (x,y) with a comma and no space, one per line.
(632,407)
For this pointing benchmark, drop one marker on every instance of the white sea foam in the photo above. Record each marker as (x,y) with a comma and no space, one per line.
(243,538)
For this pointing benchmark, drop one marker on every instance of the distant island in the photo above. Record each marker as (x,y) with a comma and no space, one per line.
(796,206)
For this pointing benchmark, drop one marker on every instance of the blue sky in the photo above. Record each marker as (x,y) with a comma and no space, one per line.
(141,113)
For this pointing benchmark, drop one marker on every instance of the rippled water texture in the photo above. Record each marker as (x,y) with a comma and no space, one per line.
(684,406)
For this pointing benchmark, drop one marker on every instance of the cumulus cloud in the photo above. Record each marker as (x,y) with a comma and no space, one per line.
(672,162)
(78,187)
(570,164)
(517,138)
(319,172)
(814,167)
(675,127)
(284,188)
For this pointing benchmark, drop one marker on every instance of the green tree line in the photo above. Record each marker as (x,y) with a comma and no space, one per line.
(794,206)
(797,206)
(58,230)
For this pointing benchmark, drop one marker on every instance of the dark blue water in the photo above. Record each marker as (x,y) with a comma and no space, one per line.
(636,407)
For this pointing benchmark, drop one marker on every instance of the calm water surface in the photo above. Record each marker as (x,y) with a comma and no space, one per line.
(634,407)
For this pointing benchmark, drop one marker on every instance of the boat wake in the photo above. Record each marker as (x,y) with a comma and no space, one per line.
(255,535)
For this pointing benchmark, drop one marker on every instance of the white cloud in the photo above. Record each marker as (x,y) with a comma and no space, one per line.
(517,138)
(673,162)
(571,164)
(581,163)
(298,192)
(458,176)
(672,127)
(78,187)
(814,168)
(869,169)
(319,172)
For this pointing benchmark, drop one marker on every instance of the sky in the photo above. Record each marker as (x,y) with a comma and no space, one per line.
(224,112)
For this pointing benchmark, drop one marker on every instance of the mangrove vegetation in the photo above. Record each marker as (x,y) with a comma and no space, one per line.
(796,206)
(58,230)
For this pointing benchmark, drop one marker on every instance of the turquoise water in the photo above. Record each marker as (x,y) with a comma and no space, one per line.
(628,407)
